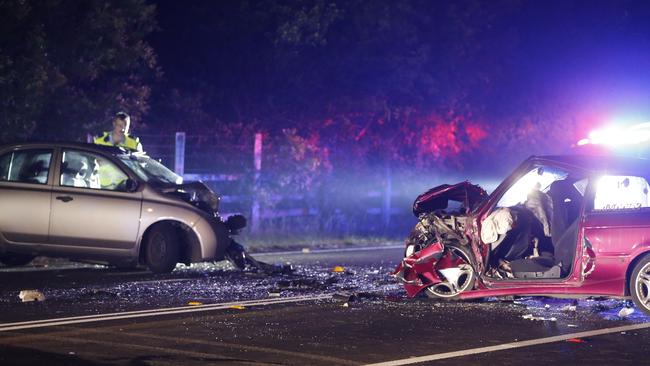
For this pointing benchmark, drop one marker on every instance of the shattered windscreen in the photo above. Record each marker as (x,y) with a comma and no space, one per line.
(150,170)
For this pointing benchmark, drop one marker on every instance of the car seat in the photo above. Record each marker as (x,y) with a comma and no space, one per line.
(73,173)
(566,206)
(548,265)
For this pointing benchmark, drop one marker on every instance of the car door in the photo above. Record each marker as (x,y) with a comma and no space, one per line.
(91,207)
(615,224)
(25,193)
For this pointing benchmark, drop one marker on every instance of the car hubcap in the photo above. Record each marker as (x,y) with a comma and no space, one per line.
(643,286)
(456,279)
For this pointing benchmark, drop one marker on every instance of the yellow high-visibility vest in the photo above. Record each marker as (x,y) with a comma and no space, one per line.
(129,142)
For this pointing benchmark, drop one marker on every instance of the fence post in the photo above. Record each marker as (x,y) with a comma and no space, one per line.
(388,192)
(179,154)
(257,160)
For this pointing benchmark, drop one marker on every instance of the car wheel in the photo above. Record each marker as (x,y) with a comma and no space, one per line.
(14,259)
(640,284)
(161,249)
(455,279)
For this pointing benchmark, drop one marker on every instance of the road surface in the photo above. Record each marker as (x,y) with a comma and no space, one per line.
(211,314)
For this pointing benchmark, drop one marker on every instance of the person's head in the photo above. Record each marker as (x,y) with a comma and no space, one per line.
(121,123)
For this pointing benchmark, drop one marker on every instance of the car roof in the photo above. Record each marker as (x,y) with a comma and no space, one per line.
(599,163)
(111,150)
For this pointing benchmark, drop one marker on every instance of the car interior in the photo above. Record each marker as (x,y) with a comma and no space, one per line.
(79,170)
(539,239)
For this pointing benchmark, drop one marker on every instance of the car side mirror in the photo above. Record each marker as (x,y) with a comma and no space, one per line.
(131,185)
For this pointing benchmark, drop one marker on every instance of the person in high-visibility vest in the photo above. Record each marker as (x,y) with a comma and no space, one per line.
(107,176)
(119,136)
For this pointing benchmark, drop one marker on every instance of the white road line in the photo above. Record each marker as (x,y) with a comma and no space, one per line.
(228,304)
(505,346)
(48,268)
(153,312)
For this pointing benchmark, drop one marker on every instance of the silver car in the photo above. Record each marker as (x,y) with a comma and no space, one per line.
(105,204)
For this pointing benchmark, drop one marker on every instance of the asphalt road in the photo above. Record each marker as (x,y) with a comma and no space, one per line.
(313,317)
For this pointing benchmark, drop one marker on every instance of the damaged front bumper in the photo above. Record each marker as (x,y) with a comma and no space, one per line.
(423,268)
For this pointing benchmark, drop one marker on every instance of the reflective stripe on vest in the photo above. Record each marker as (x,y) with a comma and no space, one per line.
(129,142)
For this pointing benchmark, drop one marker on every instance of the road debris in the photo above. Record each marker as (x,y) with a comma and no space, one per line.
(539,318)
(31,295)
(306,250)
(576,340)
(243,261)
(625,312)
(572,307)
(194,303)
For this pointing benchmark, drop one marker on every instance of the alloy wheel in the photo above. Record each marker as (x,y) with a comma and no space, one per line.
(456,279)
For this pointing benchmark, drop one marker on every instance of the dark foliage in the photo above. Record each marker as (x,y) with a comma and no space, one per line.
(66,66)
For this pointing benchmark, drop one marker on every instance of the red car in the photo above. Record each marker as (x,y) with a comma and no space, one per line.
(563,226)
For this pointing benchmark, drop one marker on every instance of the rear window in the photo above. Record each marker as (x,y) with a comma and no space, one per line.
(26,166)
(621,192)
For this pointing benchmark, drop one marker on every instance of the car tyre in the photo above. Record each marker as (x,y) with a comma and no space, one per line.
(640,284)
(161,249)
(466,277)
(15,259)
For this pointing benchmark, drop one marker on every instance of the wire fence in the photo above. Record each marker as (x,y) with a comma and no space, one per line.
(296,190)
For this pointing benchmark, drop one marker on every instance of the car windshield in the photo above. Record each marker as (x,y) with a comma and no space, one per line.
(150,170)
(539,178)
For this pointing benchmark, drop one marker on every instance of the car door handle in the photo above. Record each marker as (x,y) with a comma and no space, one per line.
(64,198)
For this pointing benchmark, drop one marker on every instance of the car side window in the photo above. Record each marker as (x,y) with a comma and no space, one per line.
(621,192)
(26,166)
(87,170)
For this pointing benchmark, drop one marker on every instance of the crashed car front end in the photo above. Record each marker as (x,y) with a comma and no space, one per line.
(439,254)
(199,195)
(202,197)
(207,236)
